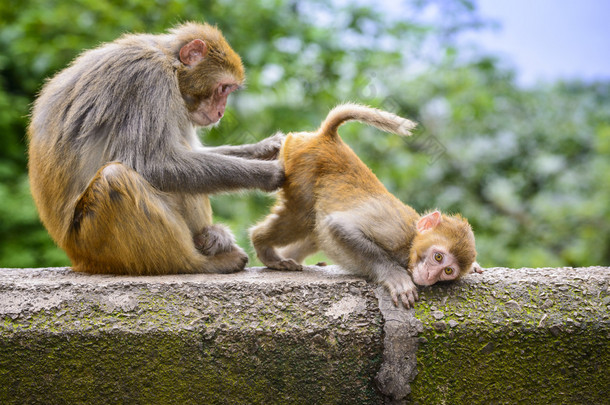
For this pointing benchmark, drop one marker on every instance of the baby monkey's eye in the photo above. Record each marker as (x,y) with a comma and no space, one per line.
(438,257)
(448,271)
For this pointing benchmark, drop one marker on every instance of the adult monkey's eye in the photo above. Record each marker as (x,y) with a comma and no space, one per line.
(448,271)
(225,88)
(438,257)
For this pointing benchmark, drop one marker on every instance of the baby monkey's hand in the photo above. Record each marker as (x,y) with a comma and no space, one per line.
(402,288)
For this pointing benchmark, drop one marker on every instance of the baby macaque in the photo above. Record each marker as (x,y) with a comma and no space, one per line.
(332,202)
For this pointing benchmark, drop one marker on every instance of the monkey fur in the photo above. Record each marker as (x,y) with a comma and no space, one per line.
(332,202)
(117,172)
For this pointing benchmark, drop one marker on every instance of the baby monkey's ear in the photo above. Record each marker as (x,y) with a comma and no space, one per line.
(429,221)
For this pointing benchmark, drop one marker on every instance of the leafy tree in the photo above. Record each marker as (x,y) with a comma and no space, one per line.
(526,166)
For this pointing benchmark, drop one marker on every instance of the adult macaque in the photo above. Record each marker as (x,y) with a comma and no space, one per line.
(117,171)
(333,202)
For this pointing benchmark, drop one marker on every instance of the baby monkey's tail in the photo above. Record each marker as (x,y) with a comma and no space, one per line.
(354,112)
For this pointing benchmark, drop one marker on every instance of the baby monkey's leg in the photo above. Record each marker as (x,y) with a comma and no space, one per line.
(278,229)
(299,250)
(348,235)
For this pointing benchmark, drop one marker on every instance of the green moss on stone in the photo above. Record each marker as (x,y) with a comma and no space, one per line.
(530,344)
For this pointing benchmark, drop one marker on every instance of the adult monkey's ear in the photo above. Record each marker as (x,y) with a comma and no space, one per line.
(193,52)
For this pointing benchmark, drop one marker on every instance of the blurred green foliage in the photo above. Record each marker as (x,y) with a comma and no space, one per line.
(528,167)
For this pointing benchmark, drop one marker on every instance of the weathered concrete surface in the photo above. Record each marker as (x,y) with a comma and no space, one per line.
(252,337)
(316,337)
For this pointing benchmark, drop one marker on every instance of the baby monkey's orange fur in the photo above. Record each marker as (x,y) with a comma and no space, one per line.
(332,202)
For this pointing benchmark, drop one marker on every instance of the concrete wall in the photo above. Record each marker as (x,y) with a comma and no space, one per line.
(535,336)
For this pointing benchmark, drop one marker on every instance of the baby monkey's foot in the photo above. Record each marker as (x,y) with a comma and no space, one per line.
(402,288)
(286,265)
(271,259)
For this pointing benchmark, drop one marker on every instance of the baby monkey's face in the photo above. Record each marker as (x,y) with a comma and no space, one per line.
(436,264)
(443,249)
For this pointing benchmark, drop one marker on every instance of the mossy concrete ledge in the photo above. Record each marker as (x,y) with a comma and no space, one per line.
(535,336)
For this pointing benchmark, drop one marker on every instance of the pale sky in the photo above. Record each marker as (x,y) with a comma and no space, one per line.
(550,39)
